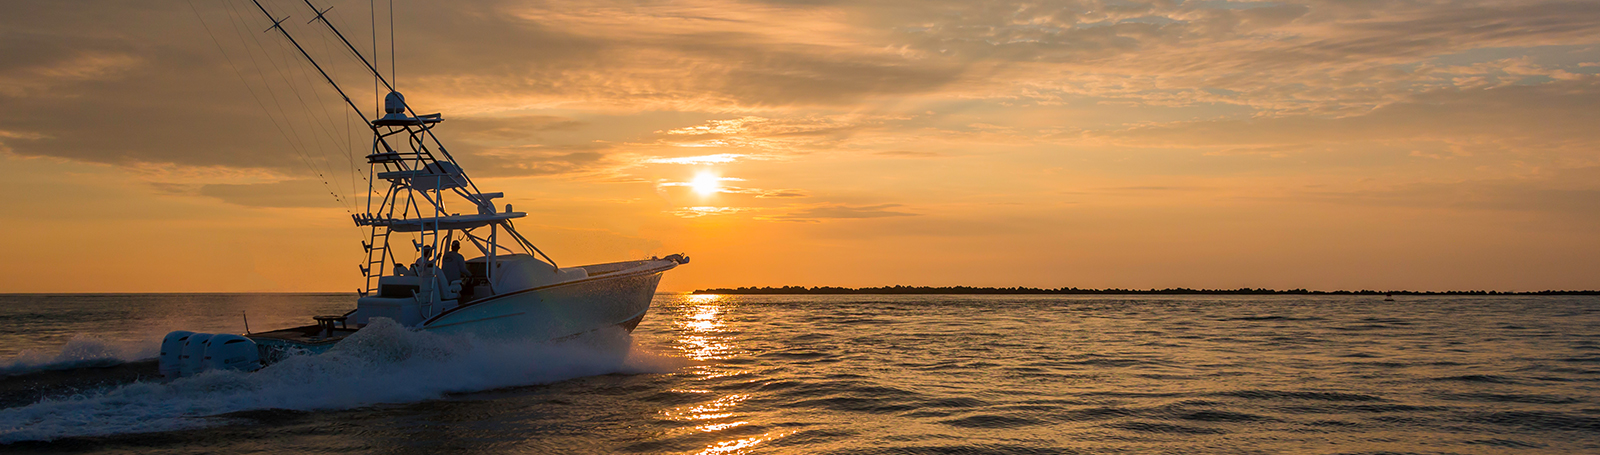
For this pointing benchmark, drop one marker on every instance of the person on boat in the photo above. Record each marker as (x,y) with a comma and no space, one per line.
(424,263)
(454,265)
(455,269)
(401,270)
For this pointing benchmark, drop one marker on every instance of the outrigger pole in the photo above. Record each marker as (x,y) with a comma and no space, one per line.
(278,24)
(476,195)
(386,84)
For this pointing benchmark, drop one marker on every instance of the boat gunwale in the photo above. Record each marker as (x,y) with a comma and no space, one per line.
(614,275)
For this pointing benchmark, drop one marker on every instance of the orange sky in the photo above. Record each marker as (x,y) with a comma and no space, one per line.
(150,147)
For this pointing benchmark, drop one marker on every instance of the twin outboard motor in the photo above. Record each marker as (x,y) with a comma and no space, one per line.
(231,352)
(194,349)
(186,353)
(172,351)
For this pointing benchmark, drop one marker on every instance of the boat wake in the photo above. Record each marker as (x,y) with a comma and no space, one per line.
(80,352)
(383,363)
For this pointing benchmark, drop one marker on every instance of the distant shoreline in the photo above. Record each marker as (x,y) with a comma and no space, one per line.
(968,290)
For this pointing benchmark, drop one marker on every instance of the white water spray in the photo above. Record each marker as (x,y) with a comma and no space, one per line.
(383,363)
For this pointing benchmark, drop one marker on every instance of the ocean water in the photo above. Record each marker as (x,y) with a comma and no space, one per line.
(834,374)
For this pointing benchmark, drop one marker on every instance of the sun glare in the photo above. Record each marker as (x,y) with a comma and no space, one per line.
(706,184)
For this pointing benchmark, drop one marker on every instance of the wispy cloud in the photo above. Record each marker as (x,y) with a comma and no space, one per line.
(720,158)
(839,211)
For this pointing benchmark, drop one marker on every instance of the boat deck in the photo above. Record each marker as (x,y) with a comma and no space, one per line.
(306,335)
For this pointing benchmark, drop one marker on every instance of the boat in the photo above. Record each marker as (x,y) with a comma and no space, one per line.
(510,290)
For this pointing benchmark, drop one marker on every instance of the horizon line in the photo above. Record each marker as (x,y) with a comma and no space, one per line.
(902,289)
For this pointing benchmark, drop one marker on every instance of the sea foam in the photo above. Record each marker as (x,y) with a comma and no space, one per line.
(383,363)
(79,352)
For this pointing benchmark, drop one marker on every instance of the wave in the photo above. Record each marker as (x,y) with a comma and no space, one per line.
(79,352)
(383,363)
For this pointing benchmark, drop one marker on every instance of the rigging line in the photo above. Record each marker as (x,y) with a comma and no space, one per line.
(329,127)
(427,130)
(343,126)
(236,21)
(348,144)
(350,136)
(351,51)
(255,64)
(377,96)
(301,149)
(304,106)
(392,56)
(349,131)
(327,163)
(240,75)
(285,134)
(311,118)
(285,33)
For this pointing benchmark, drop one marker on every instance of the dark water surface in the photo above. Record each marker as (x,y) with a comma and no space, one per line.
(839,374)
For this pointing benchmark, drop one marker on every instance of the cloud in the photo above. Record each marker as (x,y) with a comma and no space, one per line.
(1569,192)
(840,211)
(908,154)
(285,194)
(498,69)
(1553,117)
(787,193)
(537,161)
(501,129)
(1289,57)
(697,212)
(720,158)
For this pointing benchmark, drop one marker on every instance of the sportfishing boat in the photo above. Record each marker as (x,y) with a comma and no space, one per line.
(425,210)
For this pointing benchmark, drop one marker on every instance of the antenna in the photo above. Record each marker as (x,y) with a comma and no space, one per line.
(372,14)
(392,56)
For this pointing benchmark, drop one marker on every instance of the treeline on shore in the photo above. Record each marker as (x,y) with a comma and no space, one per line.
(1069,290)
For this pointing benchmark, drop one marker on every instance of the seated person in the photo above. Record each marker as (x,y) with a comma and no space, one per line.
(401,270)
(454,267)
(424,264)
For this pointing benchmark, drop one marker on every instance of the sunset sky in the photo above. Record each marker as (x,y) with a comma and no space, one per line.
(157,146)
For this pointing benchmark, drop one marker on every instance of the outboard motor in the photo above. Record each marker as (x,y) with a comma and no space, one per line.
(194,353)
(231,352)
(172,353)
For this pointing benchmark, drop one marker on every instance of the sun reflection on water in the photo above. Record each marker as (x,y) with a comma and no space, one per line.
(742,445)
(709,411)
(710,427)
(701,327)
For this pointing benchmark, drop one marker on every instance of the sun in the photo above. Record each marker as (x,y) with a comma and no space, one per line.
(706,184)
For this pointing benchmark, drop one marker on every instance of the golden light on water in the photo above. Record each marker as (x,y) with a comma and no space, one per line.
(703,298)
(742,445)
(705,317)
(710,427)
(710,411)
(701,324)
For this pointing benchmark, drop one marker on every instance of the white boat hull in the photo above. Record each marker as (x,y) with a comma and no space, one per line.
(618,295)
(559,310)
